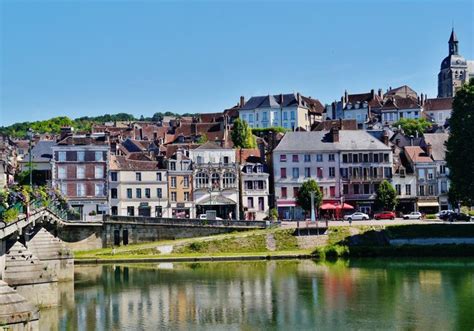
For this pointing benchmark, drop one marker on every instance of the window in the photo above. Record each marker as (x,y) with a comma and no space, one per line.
(319,157)
(158,177)
(130,211)
(386,157)
(226,160)
(331,157)
(264,117)
(355,158)
(295,158)
(261,203)
(138,193)
(99,189)
(296,172)
(366,158)
(283,192)
(172,165)
(444,187)
(173,182)
(442,169)
(129,193)
(99,172)
(113,176)
(113,193)
(99,156)
(430,173)
(185,181)
(344,158)
(61,156)
(250,117)
(159,193)
(355,187)
(138,176)
(64,188)
(202,180)
(81,189)
(307,158)
(307,172)
(345,189)
(408,189)
(366,188)
(62,172)
(430,190)
(319,171)
(332,191)
(283,158)
(285,116)
(114,210)
(398,188)
(186,196)
(422,190)
(283,172)
(173,196)
(332,172)
(229,179)
(295,192)
(293,115)
(215,180)
(147,193)
(250,202)
(80,156)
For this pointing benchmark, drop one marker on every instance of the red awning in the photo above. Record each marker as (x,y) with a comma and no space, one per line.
(327,206)
(344,206)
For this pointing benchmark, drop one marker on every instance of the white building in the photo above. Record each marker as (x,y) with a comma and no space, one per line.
(137,188)
(345,163)
(395,108)
(439,109)
(255,190)
(290,111)
(216,180)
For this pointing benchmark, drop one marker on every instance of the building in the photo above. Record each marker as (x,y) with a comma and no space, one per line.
(216,180)
(290,111)
(426,178)
(435,143)
(41,155)
(455,70)
(254,188)
(8,161)
(395,108)
(79,169)
(180,184)
(439,110)
(404,181)
(137,188)
(347,165)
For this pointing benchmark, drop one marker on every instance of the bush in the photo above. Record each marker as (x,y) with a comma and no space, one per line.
(431,217)
(10,215)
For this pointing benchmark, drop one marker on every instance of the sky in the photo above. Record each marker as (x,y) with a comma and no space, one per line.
(87,58)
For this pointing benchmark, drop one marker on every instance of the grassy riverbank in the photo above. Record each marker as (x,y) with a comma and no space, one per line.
(355,241)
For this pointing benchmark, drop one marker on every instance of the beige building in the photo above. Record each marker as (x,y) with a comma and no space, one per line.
(137,188)
(180,187)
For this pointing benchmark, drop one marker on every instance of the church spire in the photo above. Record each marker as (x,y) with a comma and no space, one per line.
(453,43)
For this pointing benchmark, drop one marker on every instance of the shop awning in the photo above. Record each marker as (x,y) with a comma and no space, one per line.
(427,204)
(286,203)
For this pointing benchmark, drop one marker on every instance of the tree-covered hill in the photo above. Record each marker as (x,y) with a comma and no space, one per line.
(53,125)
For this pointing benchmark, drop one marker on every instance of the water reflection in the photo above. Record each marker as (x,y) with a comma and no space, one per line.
(286,295)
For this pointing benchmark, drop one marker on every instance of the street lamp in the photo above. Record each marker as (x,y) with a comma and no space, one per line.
(30,136)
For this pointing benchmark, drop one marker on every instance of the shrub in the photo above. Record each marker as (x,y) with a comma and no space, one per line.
(10,215)
(430,216)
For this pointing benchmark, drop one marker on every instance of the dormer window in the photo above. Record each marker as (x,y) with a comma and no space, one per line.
(365,104)
(349,106)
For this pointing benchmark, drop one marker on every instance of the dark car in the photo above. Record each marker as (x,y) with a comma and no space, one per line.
(385,215)
(453,216)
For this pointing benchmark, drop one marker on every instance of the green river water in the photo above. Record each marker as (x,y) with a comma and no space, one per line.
(269,295)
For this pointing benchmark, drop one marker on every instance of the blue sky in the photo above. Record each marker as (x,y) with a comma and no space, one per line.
(79,58)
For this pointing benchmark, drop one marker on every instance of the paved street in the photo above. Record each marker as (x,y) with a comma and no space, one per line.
(397,221)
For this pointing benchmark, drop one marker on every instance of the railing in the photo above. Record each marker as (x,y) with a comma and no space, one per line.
(185,222)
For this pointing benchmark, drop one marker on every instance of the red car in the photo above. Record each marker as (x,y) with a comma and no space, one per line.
(385,215)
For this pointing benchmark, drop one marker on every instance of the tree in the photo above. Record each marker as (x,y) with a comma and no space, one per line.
(412,126)
(460,147)
(202,139)
(242,135)
(386,196)
(304,195)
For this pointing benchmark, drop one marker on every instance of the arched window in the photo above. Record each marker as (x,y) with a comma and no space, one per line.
(229,180)
(199,159)
(215,181)
(202,180)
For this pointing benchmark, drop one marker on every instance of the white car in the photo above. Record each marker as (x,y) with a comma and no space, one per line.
(204,217)
(414,215)
(357,216)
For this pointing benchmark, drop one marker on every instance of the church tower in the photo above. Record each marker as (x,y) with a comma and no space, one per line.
(454,70)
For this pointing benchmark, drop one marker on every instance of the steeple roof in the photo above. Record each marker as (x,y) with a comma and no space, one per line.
(453,37)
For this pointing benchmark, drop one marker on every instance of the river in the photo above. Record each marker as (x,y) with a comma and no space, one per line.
(269,295)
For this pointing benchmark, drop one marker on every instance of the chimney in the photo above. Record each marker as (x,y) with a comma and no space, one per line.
(421,99)
(346,96)
(334,132)
(141,134)
(429,149)
(281,99)
(385,137)
(372,93)
(411,140)
(298,98)
(65,132)
(380,92)
(340,123)
(242,101)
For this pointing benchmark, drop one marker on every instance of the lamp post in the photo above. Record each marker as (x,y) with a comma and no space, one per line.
(30,136)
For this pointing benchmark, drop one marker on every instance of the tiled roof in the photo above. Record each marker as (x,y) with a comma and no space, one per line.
(417,154)
(242,155)
(209,145)
(438,104)
(84,140)
(402,91)
(123,163)
(341,124)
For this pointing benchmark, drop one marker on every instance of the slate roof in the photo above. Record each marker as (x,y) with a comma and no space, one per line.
(320,141)
(209,145)
(125,164)
(438,147)
(281,100)
(42,151)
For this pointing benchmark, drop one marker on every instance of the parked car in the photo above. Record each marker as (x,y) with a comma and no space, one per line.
(204,217)
(357,216)
(462,217)
(414,215)
(442,213)
(385,215)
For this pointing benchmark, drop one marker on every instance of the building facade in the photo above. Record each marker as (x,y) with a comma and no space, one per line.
(216,180)
(137,188)
(180,185)
(79,170)
(255,190)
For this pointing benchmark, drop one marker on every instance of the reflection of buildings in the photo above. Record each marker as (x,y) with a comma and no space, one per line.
(215,176)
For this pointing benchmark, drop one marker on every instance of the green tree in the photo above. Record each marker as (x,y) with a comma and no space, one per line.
(412,126)
(386,196)
(242,135)
(460,146)
(203,139)
(304,195)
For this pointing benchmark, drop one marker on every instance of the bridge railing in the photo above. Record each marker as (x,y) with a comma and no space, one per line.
(185,222)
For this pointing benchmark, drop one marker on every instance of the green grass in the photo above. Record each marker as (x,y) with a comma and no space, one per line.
(285,241)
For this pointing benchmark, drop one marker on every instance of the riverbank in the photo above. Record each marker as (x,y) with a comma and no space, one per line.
(339,242)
